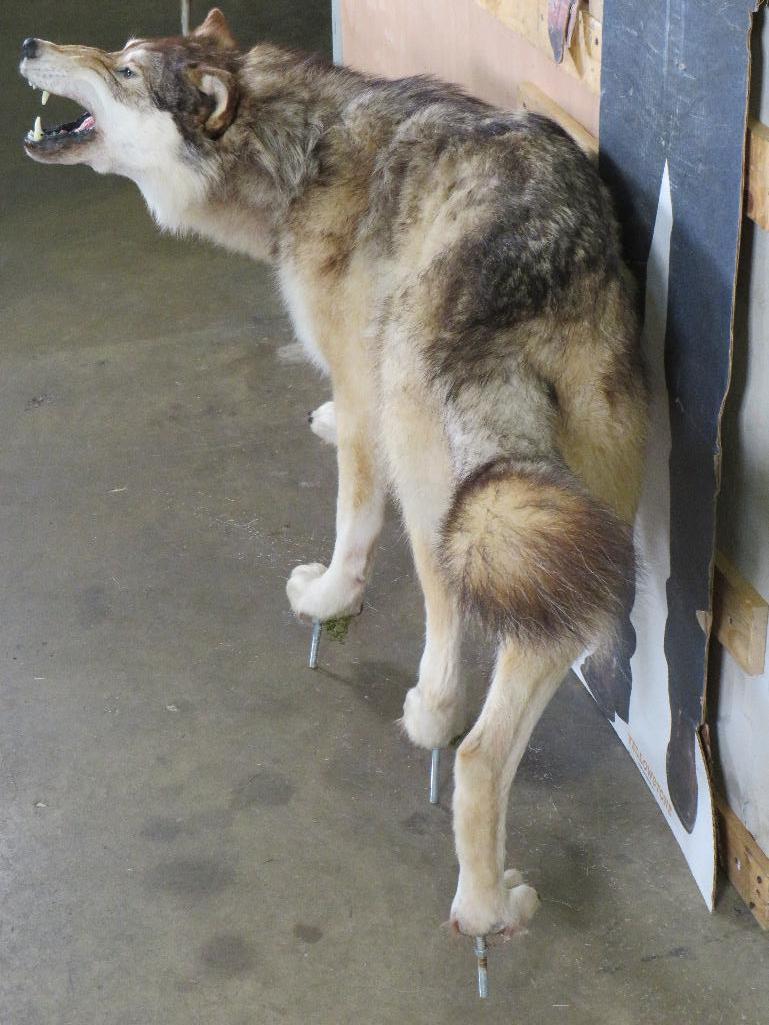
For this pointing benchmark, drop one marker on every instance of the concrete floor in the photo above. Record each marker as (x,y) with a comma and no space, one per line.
(194,828)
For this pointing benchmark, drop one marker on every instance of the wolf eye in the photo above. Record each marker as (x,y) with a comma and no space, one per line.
(125,72)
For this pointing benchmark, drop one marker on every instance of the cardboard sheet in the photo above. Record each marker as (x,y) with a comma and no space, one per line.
(672,130)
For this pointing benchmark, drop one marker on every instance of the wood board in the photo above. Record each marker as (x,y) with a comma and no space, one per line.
(528,18)
(740,617)
(532,98)
(745,863)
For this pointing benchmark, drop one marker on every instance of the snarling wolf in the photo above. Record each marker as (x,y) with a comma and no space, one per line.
(456,271)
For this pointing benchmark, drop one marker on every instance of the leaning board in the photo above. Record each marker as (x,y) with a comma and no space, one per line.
(672,134)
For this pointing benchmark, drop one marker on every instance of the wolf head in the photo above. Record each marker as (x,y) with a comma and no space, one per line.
(155,110)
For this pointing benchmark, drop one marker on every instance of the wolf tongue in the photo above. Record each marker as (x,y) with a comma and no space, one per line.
(86,124)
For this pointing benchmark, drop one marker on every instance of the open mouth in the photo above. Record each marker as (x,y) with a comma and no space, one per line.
(50,140)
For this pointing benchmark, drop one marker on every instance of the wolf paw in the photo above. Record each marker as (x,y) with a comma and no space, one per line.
(315,593)
(323,422)
(507,912)
(431,726)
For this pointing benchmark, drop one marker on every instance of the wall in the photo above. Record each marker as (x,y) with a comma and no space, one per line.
(460,42)
(740,706)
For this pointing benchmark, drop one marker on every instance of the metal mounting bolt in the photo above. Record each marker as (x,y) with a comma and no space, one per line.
(435,764)
(482,957)
(312,661)
(185,17)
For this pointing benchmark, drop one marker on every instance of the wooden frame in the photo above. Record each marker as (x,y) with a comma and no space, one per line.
(740,617)
(744,862)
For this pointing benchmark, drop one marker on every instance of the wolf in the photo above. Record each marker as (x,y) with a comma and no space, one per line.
(456,271)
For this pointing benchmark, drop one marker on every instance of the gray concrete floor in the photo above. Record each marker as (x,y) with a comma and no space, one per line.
(194,828)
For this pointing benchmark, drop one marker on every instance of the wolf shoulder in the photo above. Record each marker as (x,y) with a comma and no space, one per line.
(416,159)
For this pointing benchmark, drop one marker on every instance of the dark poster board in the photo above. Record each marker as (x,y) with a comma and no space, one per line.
(674,84)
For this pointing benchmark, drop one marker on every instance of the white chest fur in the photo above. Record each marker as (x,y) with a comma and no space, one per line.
(294,296)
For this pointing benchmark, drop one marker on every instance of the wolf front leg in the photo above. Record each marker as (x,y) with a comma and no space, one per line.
(322,423)
(319,593)
(434,710)
(488,899)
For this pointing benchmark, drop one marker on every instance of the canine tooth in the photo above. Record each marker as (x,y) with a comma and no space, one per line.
(37,131)
(44,97)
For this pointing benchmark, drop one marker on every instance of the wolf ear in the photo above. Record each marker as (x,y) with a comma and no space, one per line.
(221,89)
(215,27)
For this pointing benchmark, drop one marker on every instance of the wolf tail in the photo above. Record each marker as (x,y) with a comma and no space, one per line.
(535,557)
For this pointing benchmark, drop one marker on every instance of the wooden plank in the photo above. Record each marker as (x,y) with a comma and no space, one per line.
(744,862)
(740,617)
(532,98)
(522,17)
(529,19)
(758,174)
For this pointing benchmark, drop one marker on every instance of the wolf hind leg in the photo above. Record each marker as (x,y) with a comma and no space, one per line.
(488,900)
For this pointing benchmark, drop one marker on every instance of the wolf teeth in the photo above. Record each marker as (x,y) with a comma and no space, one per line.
(44,97)
(37,131)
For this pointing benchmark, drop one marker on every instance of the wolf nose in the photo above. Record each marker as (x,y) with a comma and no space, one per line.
(29,48)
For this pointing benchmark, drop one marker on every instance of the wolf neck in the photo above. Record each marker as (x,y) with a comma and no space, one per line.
(171,198)
(269,159)
(189,204)
(241,212)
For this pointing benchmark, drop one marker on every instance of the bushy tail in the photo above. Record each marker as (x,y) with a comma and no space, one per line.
(535,557)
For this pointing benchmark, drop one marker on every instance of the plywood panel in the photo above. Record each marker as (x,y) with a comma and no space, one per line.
(460,42)
(528,18)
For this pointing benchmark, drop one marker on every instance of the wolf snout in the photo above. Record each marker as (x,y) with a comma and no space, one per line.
(30,47)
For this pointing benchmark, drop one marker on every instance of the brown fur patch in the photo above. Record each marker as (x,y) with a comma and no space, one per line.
(535,557)
(363,473)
